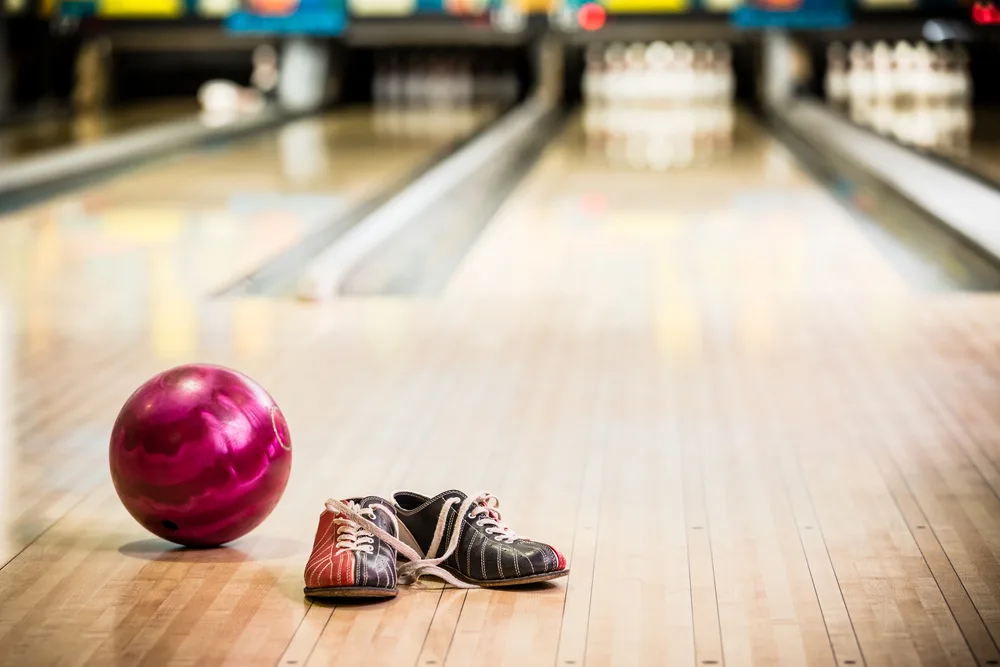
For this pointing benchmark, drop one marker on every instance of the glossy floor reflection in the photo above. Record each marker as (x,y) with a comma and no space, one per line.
(28,140)
(756,442)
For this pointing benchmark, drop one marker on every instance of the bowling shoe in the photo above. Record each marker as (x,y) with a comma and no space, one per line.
(354,553)
(479,549)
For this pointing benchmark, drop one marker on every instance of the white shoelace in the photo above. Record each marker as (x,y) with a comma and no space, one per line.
(350,535)
(489,505)
(407,573)
(482,507)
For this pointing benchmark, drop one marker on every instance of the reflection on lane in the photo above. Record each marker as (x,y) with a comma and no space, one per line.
(744,244)
(944,128)
(660,139)
(658,106)
(102,287)
(136,253)
(29,139)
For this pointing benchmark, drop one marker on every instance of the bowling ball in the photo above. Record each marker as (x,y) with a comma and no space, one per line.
(200,455)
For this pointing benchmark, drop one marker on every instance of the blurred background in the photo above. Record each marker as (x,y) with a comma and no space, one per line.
(320,116)
(922,73)
(658,82)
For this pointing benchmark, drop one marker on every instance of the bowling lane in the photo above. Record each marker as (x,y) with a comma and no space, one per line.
(724,388)
(101,286)
(671,353)
(186,225)
(27,140)
(725,208)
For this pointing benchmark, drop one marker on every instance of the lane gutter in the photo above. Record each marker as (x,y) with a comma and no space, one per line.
(54,172)
(963,204)
(324,276)
(278,275)
(421,258)
(891,219)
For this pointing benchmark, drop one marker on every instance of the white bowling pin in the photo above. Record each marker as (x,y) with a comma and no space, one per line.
(614,61)
(882,74)
(658,58)
(860,81)
(835,81)
(635,74)
(684,56)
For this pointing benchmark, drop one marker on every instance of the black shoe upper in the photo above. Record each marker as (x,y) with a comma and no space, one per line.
(480,555)
(377,568)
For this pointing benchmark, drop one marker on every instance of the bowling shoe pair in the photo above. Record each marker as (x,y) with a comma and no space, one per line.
(364,547)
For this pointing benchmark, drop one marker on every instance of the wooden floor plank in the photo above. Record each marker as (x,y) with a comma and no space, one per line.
(760,554)
(441,632)
(925,476)
(303,642)
(914,605)
(749,455)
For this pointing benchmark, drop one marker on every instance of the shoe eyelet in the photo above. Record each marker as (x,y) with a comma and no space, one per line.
(479,523)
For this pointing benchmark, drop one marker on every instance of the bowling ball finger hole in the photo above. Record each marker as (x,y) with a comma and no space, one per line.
(169,525)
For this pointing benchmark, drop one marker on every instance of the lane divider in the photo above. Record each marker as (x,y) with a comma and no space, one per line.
(325,274)
(58,165)
(969,207)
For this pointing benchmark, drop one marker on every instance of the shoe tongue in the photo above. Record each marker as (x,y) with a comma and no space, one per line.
(381,519)
(368,501)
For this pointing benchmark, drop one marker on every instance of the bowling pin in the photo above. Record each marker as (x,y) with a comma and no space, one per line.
(685,73)
(903,71)
(700,66)
(921,71)
(861,72)
(657,56)
(635,74)
(835,81)
(726,76)
(614,62)
(882,74)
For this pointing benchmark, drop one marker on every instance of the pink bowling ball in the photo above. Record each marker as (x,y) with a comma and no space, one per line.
(200,455)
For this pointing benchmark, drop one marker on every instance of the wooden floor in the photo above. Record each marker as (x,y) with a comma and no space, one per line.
(755,442)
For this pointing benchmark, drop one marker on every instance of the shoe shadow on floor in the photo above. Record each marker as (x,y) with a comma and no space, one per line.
(361,603)
(348,603)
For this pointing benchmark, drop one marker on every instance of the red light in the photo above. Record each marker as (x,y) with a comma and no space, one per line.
(591,16)
(985,13)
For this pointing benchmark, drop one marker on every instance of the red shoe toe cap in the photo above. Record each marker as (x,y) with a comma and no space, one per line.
(562,559)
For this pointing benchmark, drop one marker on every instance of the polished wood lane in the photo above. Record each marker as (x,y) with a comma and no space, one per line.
(103,285)
(756,442)
(29,139)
